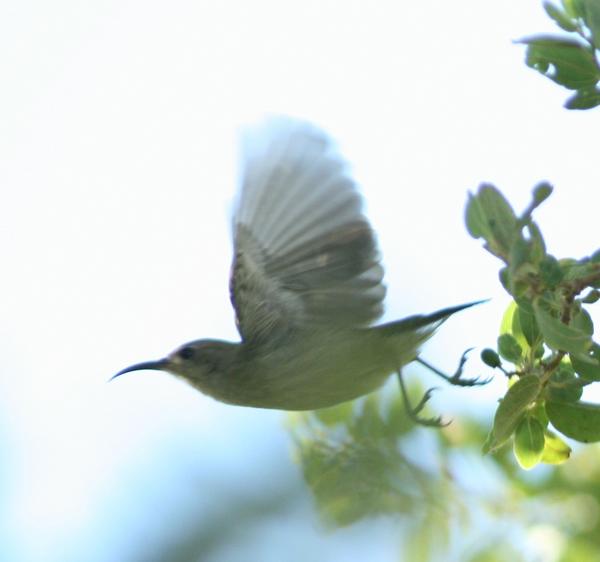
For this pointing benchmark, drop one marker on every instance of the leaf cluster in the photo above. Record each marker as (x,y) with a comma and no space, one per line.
(570,60)
(352,459)
(546,347)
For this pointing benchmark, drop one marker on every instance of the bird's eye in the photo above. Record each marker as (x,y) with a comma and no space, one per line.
(186,353)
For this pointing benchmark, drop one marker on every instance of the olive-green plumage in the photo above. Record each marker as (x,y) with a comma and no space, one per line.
(306,284)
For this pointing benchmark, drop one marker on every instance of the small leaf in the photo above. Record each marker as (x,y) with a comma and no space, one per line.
(509,348)
(556,451)
(529,442)
(490,358)
(578,420)
(592,297)
(561,19)
(538,246)
(525,317)
(504,277)
(557,335)
(586,98)
(588,371)
(490,216)
(512,407)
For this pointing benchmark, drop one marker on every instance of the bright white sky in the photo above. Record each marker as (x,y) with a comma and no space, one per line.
(117,172)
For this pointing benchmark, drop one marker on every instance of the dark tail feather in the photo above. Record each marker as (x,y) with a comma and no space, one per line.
(430,321)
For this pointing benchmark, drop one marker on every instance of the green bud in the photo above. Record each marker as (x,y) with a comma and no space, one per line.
(491,358)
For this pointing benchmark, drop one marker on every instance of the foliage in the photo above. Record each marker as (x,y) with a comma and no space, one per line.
(353,462)
(545,348)
(359,459)
(571,60)
(367,459)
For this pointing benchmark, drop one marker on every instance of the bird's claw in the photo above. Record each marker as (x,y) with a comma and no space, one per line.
(413,411)
(456,379)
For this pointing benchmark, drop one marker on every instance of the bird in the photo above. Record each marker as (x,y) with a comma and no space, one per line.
(306,284)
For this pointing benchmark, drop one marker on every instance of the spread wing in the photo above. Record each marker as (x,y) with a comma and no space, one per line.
(304,254)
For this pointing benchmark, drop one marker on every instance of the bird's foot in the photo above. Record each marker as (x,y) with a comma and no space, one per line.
(413,411)
(456,378)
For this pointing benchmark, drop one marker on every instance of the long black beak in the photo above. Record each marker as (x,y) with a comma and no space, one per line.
(160,365)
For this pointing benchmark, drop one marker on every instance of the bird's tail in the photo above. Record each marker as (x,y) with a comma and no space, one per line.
(424,324)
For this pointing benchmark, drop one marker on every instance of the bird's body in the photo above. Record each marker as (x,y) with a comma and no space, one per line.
(341,365)
(306,285)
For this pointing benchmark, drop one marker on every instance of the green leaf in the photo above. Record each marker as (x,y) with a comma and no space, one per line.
(550,271)
(576,270)
(490,216)
(563,61)
(519,254)
(539,411)
(506,325)
(573,8)
(591,16)
(588,371)
(586,98)
(504,278)
(578,420)
(556,451)
(510,325)
(512,407)
(525,318)
(509,348)
(490,358)
(592,297)
(563,385)
(538,246)
(583,321)
(561,19)
(528,445)
(557,335)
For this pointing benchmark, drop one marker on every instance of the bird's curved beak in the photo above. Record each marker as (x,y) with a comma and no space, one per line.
(160,365)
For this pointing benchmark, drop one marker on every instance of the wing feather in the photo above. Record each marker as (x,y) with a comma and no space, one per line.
(304,254)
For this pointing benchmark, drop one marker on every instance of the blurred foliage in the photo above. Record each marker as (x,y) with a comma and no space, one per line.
(571,59)
(367,460)
(350,459)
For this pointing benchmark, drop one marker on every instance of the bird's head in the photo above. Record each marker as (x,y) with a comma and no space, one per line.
(199,362)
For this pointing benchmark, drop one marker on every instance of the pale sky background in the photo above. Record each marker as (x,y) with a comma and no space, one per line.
(118,132)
